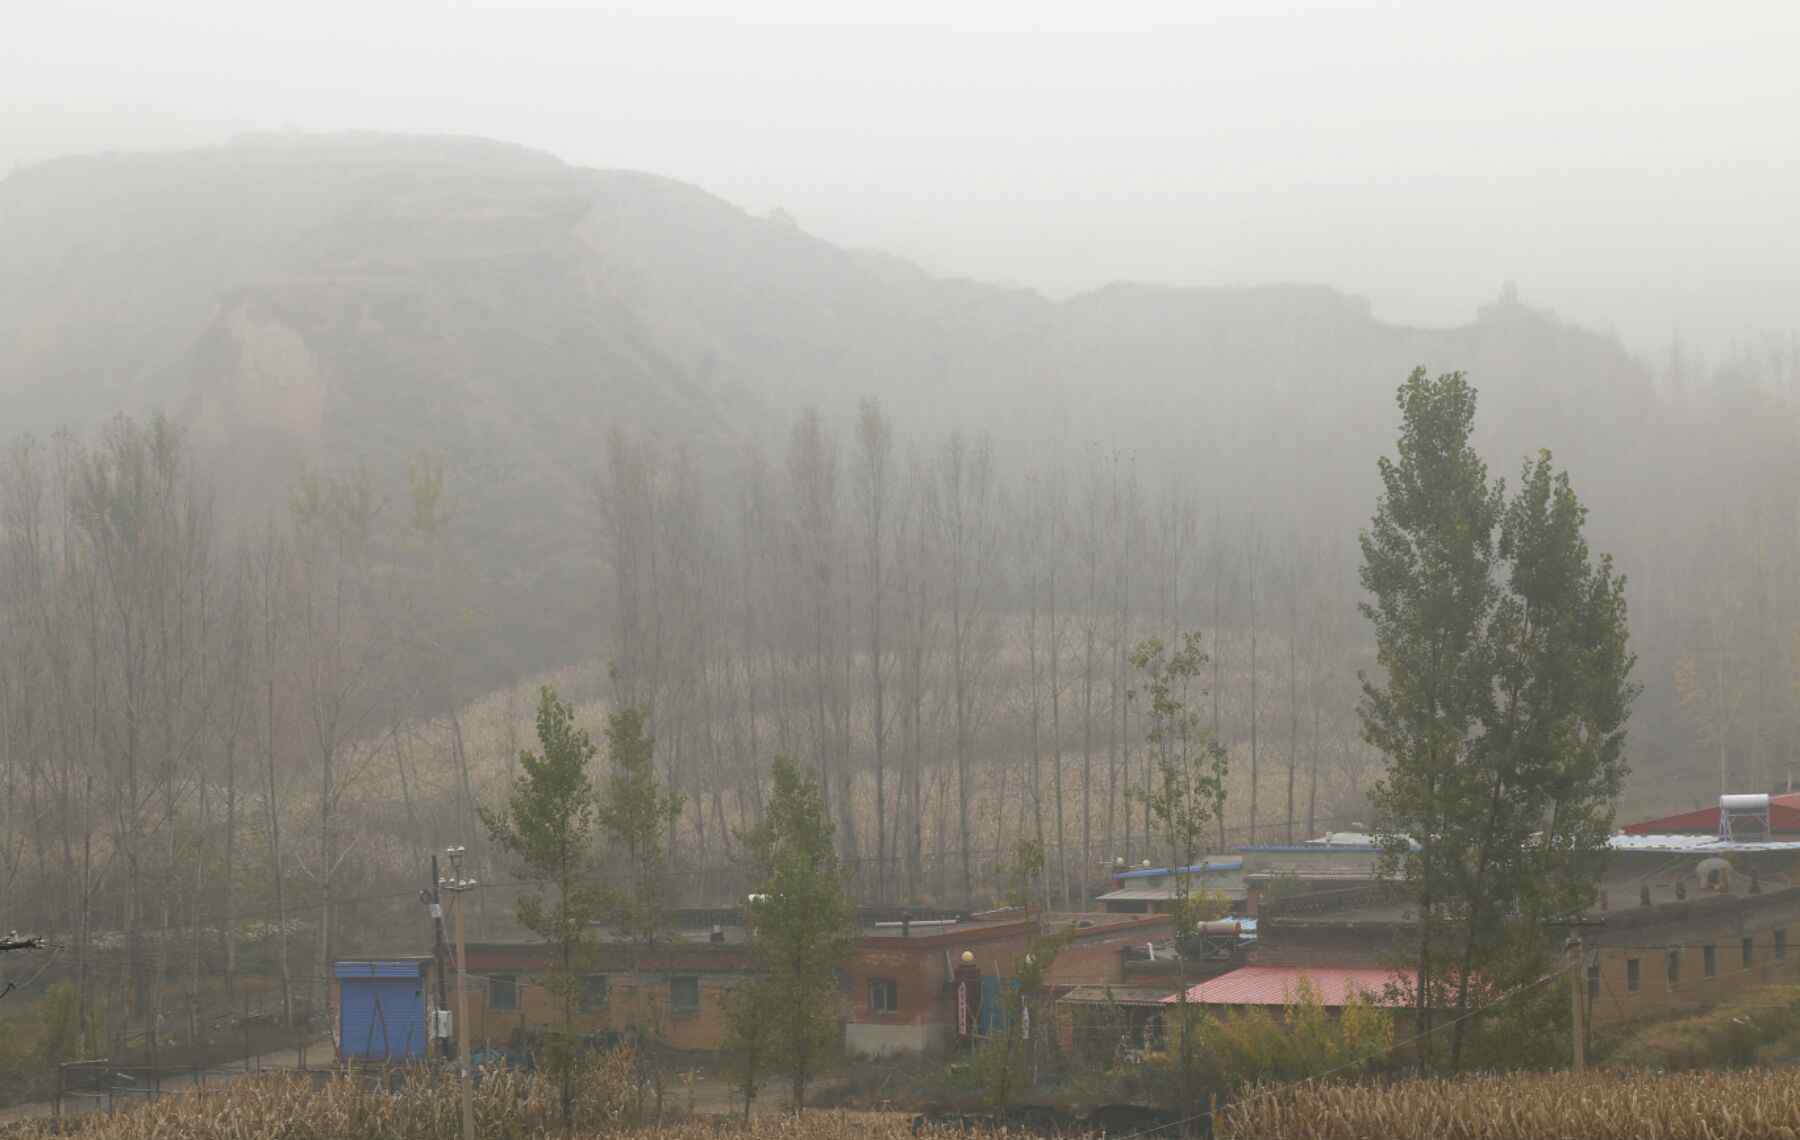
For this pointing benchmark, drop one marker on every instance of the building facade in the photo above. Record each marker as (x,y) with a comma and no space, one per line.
(895,990)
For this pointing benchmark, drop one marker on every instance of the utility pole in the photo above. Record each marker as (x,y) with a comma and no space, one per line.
(1577,947)
(456,889)
(439,958)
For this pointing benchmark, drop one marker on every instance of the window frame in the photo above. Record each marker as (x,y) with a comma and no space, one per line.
(889,988)
(1780,939)
(589,1004)
(507,984)
(678,1008)
(1709,960)
(1672,968)
(1748,948)
(1593,980)
(1634,976)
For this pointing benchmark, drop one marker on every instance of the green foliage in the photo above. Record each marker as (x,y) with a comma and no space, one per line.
(1189,788)
(1732,1035)
(1188,794)
(1502,704)
(1008,1061)
(549,827)
(1255,1046)
(804,925)
(1025,873)
(63,1034)
(637,815)
(749,1044)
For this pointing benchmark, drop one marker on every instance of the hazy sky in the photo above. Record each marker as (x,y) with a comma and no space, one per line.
(1635,166)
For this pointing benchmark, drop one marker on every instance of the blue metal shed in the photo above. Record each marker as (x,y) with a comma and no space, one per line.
(381,1009)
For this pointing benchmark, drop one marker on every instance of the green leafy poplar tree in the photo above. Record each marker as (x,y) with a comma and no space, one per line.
(1502,704)
(636,814)
(804,927)
(548,827)
(1188,793)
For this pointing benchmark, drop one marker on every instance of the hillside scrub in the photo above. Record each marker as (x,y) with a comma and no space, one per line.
(1734,1034)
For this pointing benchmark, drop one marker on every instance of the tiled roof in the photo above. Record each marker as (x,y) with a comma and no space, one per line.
(1784,816)
(1280,985)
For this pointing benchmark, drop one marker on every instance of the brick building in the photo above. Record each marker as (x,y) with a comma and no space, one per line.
(1685,921)
(895,989)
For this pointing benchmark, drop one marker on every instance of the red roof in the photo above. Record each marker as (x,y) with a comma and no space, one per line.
(1784,817)
(1280,985)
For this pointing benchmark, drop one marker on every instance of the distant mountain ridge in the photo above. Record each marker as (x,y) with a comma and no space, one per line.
(366,296)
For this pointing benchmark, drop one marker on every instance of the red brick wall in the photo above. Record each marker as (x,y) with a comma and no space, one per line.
(1094,957)
(916,965)
(625,1006)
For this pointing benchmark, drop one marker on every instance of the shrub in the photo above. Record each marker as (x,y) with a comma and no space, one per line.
(1731,1035)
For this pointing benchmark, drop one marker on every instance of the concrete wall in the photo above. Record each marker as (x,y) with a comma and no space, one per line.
(1649,935)
(877,1040)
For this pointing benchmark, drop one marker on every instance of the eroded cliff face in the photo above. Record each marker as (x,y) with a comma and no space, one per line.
(274,384)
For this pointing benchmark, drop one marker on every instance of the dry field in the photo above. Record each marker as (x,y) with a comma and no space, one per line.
(1714,1106)
(1757,1105)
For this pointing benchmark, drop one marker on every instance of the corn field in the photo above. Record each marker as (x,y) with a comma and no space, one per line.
(1763,1104)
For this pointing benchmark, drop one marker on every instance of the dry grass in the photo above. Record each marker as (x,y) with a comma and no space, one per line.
(511,1106)
(1715,1106)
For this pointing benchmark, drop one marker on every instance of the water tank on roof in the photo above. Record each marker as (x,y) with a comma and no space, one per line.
(1744,816)
(1741,801)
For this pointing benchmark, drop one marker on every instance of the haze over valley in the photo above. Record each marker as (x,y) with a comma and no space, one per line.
(328,446)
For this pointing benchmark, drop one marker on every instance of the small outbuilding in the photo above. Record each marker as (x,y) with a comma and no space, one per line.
(383,1009)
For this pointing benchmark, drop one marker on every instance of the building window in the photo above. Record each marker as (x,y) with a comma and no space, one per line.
(1781,944)
(1674,968)
(1631,975)
(684,995)
(1709,961)
(1749,951)
(594,990)
(503,991)
(884,995)
(1594,981)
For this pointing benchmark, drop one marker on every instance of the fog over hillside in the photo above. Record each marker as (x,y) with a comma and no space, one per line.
(448,418)
(361,297)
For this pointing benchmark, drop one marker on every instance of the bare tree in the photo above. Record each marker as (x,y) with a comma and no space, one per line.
(969,533)
(874,490)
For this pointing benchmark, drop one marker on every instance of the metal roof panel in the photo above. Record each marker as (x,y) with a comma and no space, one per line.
(1280,985)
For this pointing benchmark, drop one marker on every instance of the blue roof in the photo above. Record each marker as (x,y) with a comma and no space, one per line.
(380,968)
(1315,848)
(1228,863)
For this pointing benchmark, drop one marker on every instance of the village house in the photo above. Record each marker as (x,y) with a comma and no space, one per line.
(1683,919)
(895,989)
